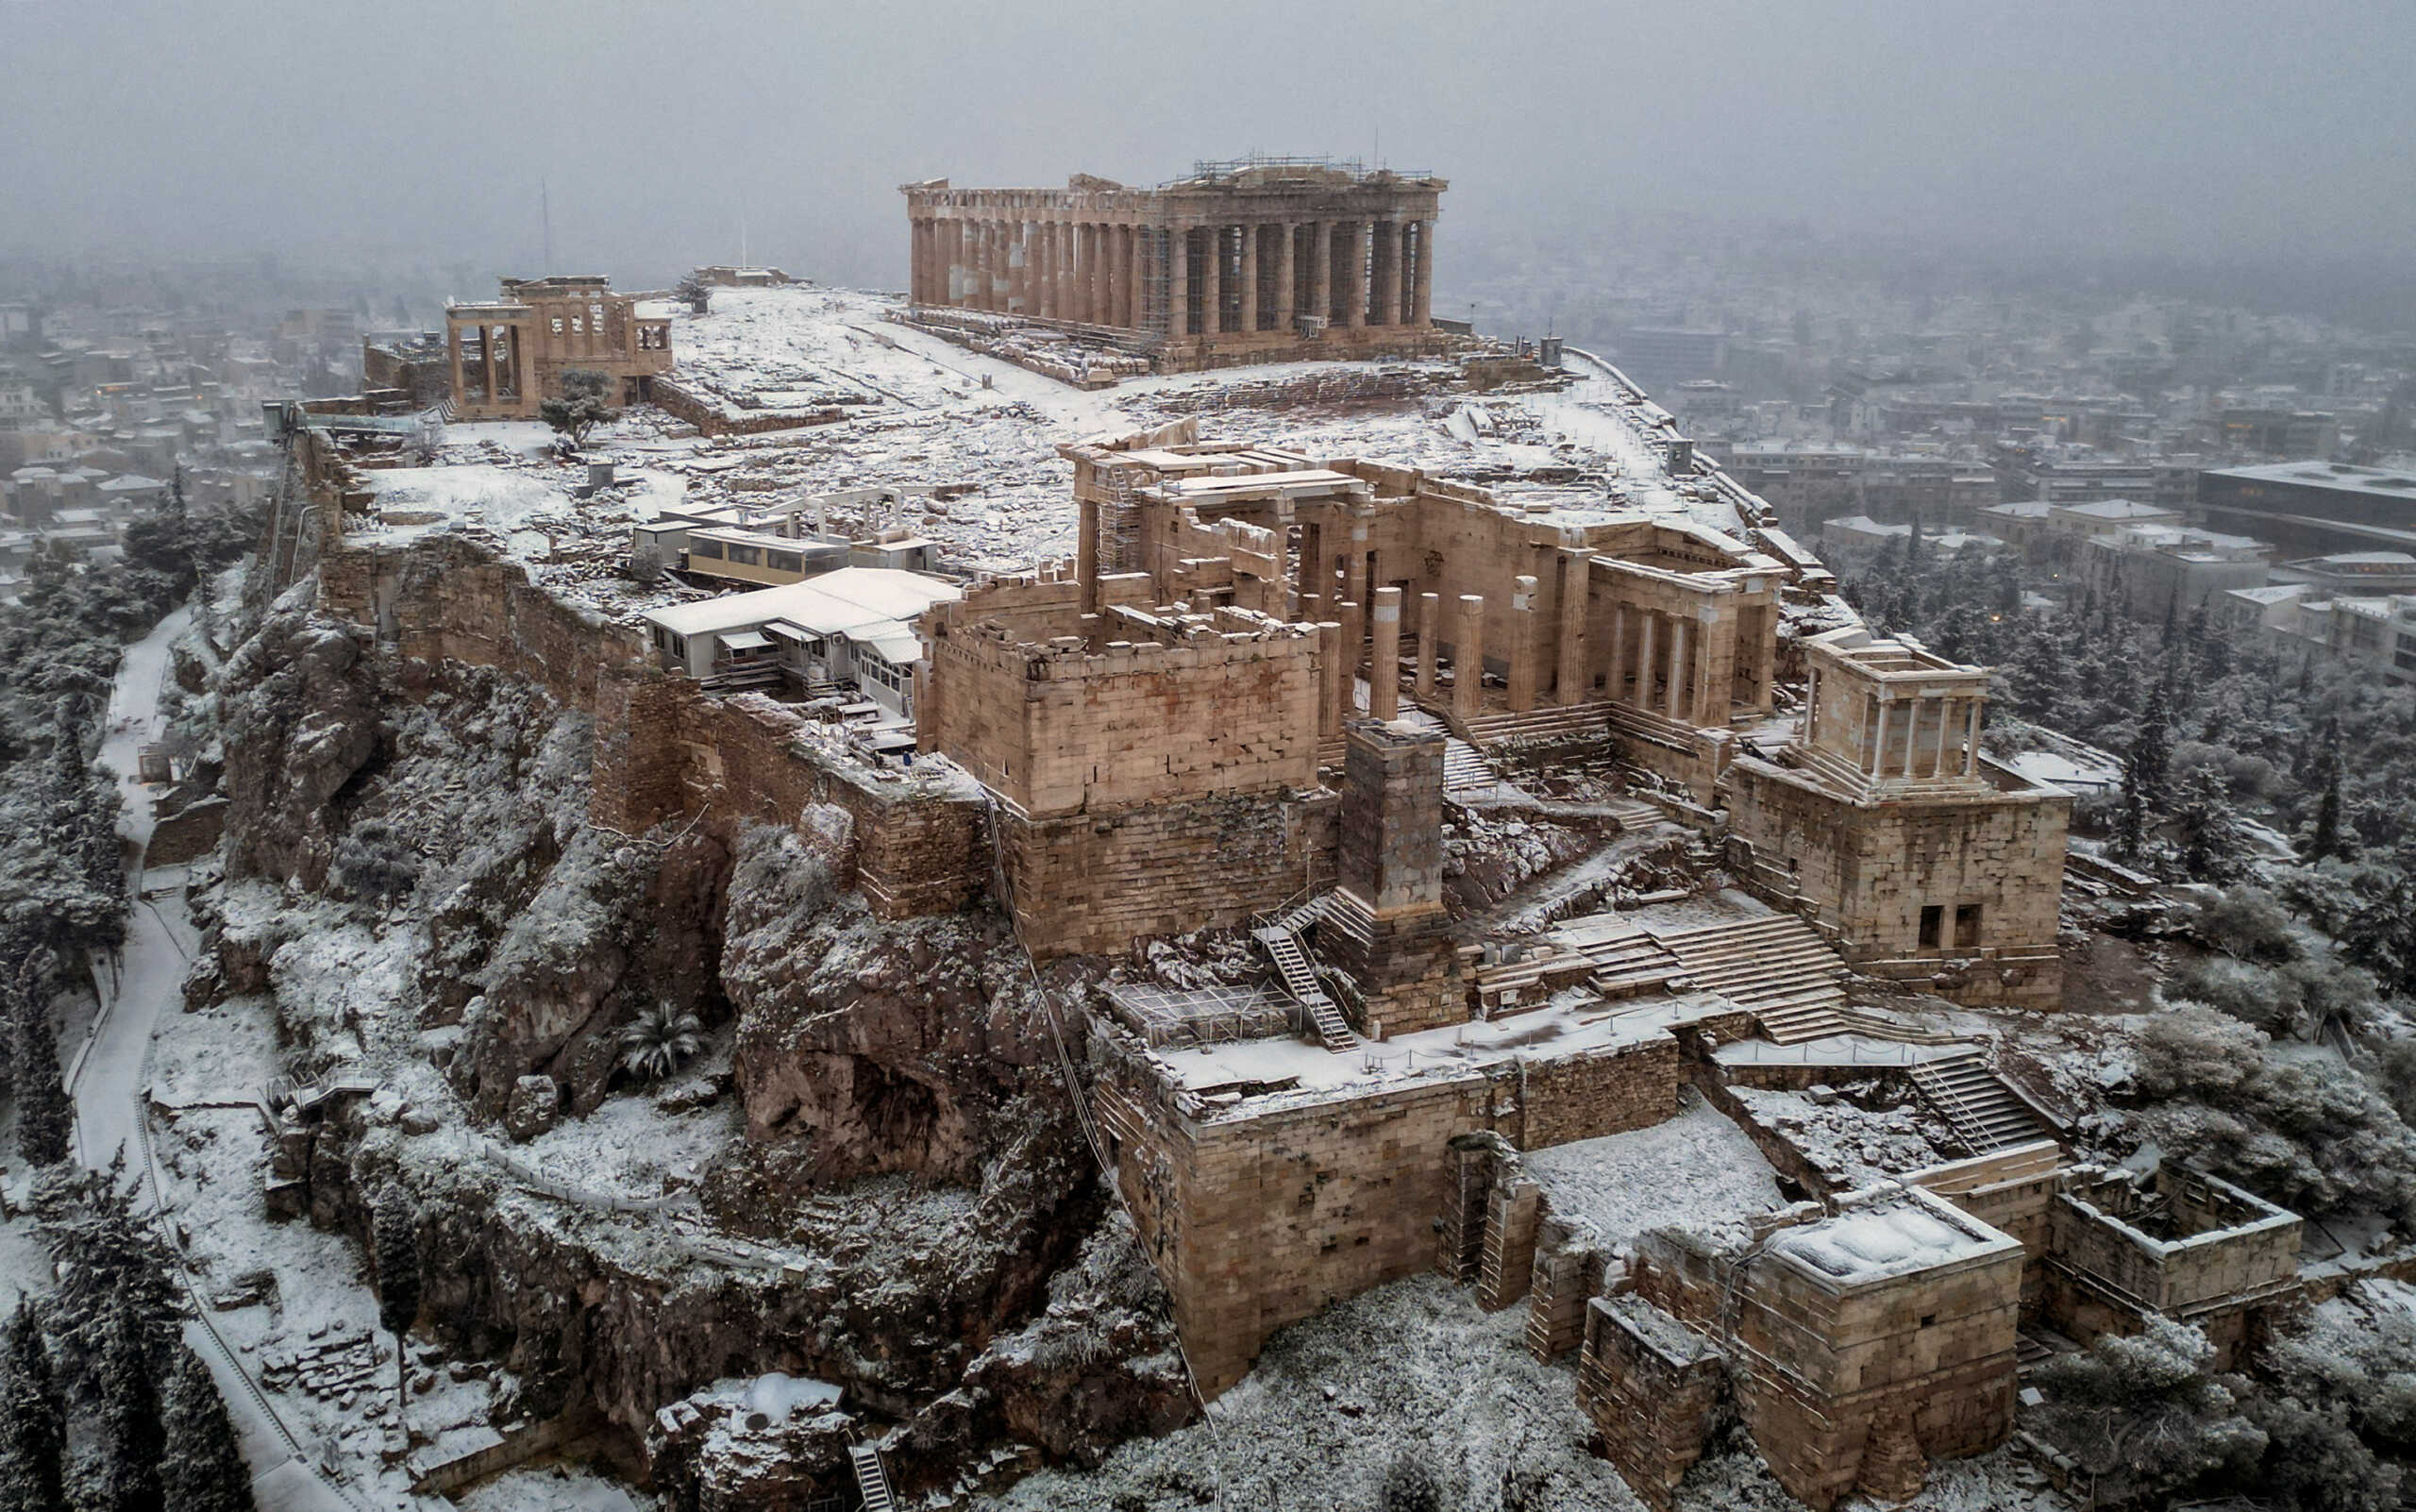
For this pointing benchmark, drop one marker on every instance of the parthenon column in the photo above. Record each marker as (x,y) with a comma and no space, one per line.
(1429,631)
(1351,312)
(1040,270)
(1288,299)
(1388,261)
(1211,284)
(1128,271)
(1383,669)
(453,349)
(1576,580)
(1249,280)
(1421,288)
(1091,275)
(1322,270)
(1179,282)
(1468,659)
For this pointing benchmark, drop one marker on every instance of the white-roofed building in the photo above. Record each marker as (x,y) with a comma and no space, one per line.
(854,624)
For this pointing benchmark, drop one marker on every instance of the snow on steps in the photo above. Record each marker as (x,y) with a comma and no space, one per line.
(1975,1102)
(1542,723)
(1778,969)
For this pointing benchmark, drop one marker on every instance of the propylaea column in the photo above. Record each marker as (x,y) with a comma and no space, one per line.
(1569,684)
(1384,661)
(1468,659)
(1331,682)
(1648,662)
(1680,702)
(1421,295)
(1353,617)
(1523,643)
(1617,680)
(1430,632)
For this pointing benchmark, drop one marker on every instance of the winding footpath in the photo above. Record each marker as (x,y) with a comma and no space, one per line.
(109,1079)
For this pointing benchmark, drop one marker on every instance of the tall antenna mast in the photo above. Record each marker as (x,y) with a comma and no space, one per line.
(546,213)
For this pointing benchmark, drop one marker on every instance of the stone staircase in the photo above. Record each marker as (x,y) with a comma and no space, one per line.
(1299,978)
(1976,1103)
(1544,722)
(871,1480)
(1633,814)
(1778,969)
(1465,769)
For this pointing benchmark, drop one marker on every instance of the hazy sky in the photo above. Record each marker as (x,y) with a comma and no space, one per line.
(422,129)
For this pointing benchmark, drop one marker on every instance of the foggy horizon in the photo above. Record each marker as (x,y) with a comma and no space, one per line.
(2212,134)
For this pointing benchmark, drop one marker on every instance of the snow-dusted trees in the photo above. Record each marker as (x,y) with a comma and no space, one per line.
(394,1238)
(33,1430)
(580,407)
(1411,1484)
(2145,1416)
(109,1259)
(45,1115)
(698,294)
(660,1040)
(201,1457)
(126,1465)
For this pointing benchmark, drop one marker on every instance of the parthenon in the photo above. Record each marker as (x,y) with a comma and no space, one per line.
(1242,261)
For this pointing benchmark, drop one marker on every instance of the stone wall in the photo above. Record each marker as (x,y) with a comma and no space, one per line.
(1259,1219)
(1085,884)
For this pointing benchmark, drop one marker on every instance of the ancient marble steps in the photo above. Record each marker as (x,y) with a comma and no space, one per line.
(1778,969)
(1559,721)
(1465,769)
(1633,814)
(871,1480)
(1300,979)
(1976,1103)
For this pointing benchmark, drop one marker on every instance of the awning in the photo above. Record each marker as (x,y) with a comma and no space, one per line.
(744,641)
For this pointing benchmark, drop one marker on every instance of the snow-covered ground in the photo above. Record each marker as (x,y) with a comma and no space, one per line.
(1620,1186)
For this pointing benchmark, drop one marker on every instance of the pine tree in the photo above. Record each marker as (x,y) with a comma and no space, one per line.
(2213,847)
(45,1115)
(2131,820)
(202,1458)
(110,1260)
(130,1438)
(2151,753)
(394,1233)
(2326,839)
(33,1433)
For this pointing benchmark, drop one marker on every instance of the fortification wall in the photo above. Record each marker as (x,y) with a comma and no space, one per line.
(664,749)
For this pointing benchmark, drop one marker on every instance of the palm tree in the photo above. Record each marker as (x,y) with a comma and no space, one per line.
(654,1044)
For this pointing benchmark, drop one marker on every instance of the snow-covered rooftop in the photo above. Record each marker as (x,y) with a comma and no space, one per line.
(1891,1236)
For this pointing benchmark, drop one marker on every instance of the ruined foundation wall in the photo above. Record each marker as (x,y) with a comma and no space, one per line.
(1260,1221)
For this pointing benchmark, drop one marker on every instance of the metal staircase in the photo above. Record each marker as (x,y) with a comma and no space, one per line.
(871,1479)
(1975,1102)
(1299,976)
(1778,969)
